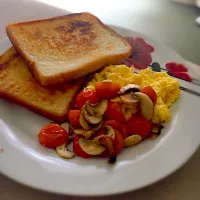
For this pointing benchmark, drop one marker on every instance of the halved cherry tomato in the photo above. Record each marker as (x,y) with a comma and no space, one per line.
(113,112)
(150,92)
(77,149)
(107,90)
(117,126)
(118,142)
(74,116)
(138,125)
(86,95)
(52,135)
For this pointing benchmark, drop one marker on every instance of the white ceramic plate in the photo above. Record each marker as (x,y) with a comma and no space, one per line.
(27,162)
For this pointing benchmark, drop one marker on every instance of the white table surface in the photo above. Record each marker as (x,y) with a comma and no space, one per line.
(148,17)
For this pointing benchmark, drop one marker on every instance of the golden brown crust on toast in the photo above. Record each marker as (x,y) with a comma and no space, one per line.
(40,111)
(19,86)
(64,48)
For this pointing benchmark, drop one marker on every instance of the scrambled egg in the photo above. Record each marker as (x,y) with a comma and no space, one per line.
(166,88)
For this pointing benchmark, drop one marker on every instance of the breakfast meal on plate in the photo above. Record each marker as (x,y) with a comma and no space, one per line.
(69,69)
(117,108)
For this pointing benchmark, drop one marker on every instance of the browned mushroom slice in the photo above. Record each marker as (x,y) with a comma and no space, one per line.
(116,99)
(129,98)
(86,134)
(106,141)
(83,121)
(97,126)
(156,128)
(97,109)
(130,88)
(109,131)
(132,140)
(146,105)
(155,131)
(63,152)
(92,119)
(90,147)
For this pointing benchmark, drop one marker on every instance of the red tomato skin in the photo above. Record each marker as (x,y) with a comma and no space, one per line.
(150,92)
(74,116)
(118,142)
(105,154)
(107,90)
(117,126)
(138,125)
(77,149)
(86,95)
(52,135)
(113,112)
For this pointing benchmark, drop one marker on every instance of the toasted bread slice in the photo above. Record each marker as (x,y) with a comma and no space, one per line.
(18,85)
(67,47)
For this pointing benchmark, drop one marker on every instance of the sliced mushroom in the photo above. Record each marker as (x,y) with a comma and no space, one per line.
(129,98)
(65,125)
(97,109)
(132,140)
(105,141)
(116,99)
(86,125)
(97,126)
(63,152)
(146,105)
(86,134)
(83,121)
(130,88)
(156,128)
(108,130)
(69,130)
(92,119)
(155,131)
(90,147)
